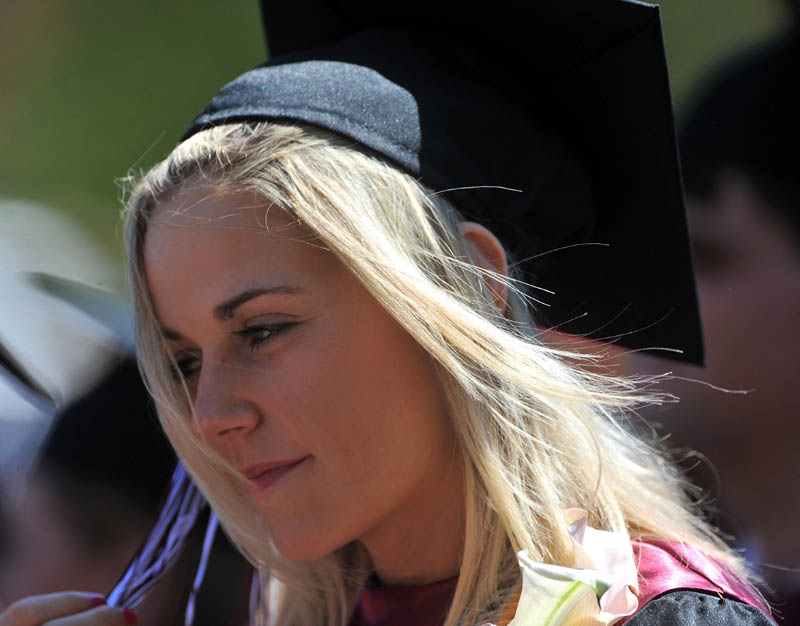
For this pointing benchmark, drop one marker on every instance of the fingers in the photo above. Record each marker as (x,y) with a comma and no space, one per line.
(65,609)
(101,616)
(37,610)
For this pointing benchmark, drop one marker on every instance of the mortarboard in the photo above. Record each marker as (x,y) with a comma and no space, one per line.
(568,103)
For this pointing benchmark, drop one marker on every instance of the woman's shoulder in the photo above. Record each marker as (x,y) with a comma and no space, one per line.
(681,584)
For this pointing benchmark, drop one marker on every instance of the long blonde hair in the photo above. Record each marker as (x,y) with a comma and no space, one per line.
(538,434)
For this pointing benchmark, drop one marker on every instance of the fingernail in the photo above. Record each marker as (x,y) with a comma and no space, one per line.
(129,616)
(97,600)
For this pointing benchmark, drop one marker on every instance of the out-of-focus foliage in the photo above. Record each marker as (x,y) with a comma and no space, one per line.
(92,88)
(699,33)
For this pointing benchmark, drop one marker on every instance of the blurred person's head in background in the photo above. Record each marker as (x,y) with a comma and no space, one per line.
(92,497)
(740,150)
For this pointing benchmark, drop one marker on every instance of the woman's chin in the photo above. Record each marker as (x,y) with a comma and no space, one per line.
(302,547)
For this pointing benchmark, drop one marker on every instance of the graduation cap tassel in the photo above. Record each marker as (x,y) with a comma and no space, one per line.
(208,543)
(165,542)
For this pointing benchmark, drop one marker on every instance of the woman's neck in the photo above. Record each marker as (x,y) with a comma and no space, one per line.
(423,543)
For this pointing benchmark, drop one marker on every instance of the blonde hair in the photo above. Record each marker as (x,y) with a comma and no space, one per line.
(538,434)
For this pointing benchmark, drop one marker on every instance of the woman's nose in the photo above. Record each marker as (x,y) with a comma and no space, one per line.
(222,408)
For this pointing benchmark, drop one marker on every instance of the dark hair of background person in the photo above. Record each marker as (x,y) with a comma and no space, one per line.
(746,120)
(93,493)
(740,154)
(110,440)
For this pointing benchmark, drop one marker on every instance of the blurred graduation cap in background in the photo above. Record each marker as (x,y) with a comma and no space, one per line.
(566,102)
(57,338)
(103,307)
(107,441)
(24,382)
(101,430)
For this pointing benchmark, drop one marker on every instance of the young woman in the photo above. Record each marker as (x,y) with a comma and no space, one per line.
(350,372)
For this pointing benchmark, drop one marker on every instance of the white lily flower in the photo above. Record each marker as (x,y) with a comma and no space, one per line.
(600,589)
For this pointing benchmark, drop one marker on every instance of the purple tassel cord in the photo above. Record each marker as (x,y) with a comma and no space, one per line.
(208,543)
(164,545)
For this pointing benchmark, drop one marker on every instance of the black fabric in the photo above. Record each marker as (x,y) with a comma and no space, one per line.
(569,104)
(696,608)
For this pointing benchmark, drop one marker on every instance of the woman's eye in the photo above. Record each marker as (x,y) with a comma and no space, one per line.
(185,366)
(256,336)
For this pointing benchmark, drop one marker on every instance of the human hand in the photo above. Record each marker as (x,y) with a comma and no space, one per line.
(69,608)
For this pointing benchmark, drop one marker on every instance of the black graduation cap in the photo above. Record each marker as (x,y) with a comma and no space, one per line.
(565,100)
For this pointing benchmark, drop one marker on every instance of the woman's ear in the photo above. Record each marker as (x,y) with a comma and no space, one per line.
(487,253)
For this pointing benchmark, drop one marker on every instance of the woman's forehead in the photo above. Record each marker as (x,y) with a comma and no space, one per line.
(213,219)
(203,205)
(228,239)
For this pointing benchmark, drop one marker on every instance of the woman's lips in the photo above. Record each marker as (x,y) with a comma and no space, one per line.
(261,476)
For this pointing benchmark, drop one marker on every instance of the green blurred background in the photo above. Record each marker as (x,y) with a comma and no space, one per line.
(93,89)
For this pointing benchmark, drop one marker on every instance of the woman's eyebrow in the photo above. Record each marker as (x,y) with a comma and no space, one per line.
(226,310)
